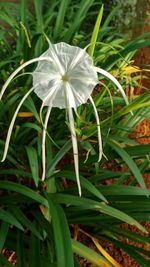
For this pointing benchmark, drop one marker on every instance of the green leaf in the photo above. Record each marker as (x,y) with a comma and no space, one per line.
(38,11)
(9,218)
(25,221)
(20,252)
(102,207)
(58,157)
(24,190)
(89,254)
(61,235)
(95,32)
(34,252)
(33,161)
(4,231)
(29,104)
(130,163)
(123,190)
(84,183)
(83,7)
(4,262)
(60,17)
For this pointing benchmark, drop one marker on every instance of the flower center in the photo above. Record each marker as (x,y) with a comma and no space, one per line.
(65,77)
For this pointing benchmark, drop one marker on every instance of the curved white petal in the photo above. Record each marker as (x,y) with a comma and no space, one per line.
(98,128)
(77,57)
(114,80)
(74,140)
(13,121)
(19,69)
(43,143)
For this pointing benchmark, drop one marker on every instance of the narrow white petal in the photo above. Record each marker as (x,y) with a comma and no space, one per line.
(50,96)
(12,123)
(43,143)
(19,69)
(114,80)
(55,57)
(98,128)
(74,141)
(77,58)
(75,147)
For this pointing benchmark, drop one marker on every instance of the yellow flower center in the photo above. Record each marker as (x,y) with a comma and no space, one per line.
(65,78)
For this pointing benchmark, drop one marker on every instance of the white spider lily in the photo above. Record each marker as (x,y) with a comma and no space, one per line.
(65,78)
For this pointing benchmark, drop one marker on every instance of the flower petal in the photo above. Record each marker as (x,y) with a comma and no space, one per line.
(13,121)
(43,143)
(19,69)
(98,128)
(114,80)
(74,139)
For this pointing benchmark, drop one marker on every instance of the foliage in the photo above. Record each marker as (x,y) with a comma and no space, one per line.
(42,221)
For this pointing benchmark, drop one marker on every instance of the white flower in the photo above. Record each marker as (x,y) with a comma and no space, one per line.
(65,78)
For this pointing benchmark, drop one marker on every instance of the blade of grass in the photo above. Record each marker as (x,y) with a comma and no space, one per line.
(19,215)
(84,182)
(24,190)
(33,162)
(129,161)
(9,218)
(62,236)
(86,203)
(83,7)
(4,231)
(20,252)
(4,262)
(58,157)
(39,16)
(95,31)
(34,252)
(60,17)
(89,254)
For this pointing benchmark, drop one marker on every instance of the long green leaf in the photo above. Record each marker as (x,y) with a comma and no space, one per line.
(25,221)
(34,252)
(9,218)
(124,190)
(61,235)
(58,157)
(3,230)
(89,254)
(38,11)
(24,190)
(33,161)
(83,7)
(95,32)
(84,183)
(4,262)
(130,163)
(60,17)
(20,252)
(102,207)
